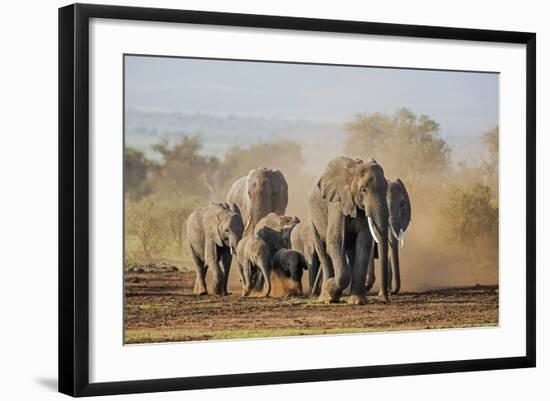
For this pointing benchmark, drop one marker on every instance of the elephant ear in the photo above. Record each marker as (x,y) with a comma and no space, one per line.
(277,261)
(280,197)
(234,209)
(335,183)
(407,217)
(212,221)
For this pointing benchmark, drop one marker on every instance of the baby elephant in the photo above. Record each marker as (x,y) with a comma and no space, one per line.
(253,258)
(287,269)
(213,233)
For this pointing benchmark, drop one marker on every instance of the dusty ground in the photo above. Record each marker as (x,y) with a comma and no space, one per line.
(160,307)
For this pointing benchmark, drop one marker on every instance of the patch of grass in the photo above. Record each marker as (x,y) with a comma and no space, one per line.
(147,306)
(136,336)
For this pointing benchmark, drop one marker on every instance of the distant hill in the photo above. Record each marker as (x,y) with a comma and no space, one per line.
(319,140)
(219,133)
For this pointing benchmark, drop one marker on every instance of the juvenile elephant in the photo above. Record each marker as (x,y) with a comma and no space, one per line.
(275,231)
(288,267)
(399,206)
(302,239)
(262,191)
(348,209)
(213,233)
(253,257)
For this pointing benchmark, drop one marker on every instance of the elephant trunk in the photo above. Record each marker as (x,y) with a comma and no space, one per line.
(395,268)
(261,209)
(378,224)
(265,272)
(300,288)
(233,242)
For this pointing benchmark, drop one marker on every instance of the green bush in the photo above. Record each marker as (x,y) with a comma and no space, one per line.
(469,220)
(146,222)
(155,227)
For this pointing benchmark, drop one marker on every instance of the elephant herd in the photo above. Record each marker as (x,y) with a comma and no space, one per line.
(355,216)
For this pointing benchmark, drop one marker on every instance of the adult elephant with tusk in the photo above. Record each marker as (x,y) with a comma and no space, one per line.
(399,206)
(348,208)
(259,193)
(214,232)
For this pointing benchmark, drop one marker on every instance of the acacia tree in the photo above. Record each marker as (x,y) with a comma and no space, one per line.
(406,145)
(182,170)
(145,220)
(136,169)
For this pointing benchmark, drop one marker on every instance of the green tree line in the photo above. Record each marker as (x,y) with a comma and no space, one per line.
(456,205)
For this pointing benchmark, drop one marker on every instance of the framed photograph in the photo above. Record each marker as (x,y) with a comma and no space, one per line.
(252,199)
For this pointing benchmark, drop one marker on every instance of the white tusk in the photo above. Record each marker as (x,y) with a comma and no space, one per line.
(247,224)
(232,251)
(402,237)
(393,231)
(373,231)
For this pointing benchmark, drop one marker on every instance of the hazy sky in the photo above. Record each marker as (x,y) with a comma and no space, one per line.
(464,103)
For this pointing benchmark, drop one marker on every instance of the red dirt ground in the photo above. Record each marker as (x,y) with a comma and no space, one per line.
(160,306)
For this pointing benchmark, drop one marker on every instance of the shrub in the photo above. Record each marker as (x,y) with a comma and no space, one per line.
(146,222)
(470,221)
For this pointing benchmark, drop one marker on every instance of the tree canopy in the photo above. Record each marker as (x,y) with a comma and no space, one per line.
(406,145)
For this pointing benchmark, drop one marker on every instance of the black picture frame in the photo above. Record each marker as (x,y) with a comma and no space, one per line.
(74,198)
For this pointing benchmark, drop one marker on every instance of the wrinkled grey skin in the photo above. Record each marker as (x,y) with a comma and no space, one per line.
(399,206)
(288,263)
(302,239)
(253,255)
(348,192)
(275,231)
(260,192)
(213,233)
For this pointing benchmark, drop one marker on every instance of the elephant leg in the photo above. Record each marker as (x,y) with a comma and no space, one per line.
(226,260)
(265,270)
(241,276)
(324,259)
(350,253)
(213,261)
(258,283)
(312,275)
(317,285)
(247,273)
(370,269)
(321,253)
(333,286)
(313,270)
(200,279)
(359,270)
(395,269)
